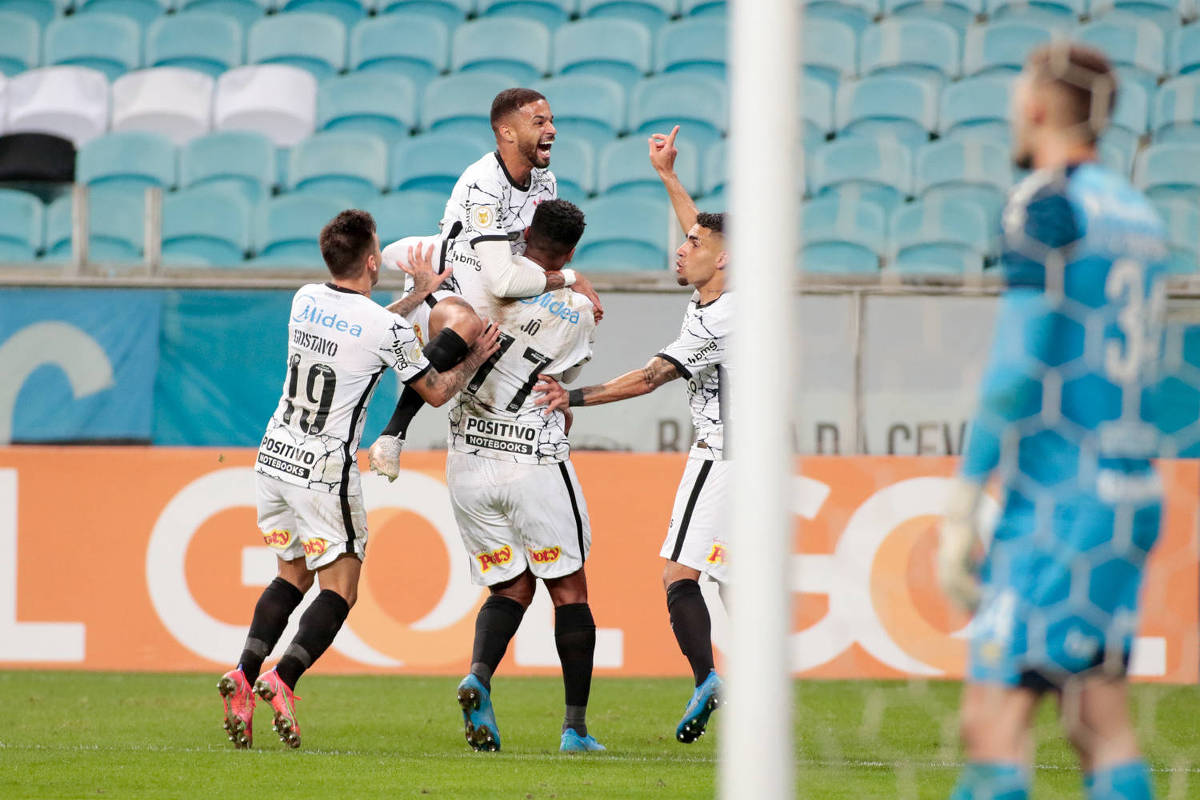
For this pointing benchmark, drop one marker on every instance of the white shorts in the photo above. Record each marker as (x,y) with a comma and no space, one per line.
(419,316)
(697,534)
(514,517)
(320,526)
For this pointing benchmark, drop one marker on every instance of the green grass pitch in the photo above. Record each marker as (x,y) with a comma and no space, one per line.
(89,735)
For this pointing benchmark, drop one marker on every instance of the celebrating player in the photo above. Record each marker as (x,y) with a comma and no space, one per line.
(310,506)
(483,228)
(519,506)
(696,535)
(1065,416)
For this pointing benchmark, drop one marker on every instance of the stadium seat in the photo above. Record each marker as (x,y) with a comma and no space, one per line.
(21,43)
(347,12)
(1051,12)
(891,106)
(448,12)
(703,8)
(1182,221)
(314,42)
(104,42)
(412,213)
(623,167)
(276,100)
(1135,47)
(1176,116)
(550,13)
(1184,55)
(503,45)
(617,49)
(650,13)
(143,12)
(22,226)
(1163,13)
(242,160)
(816,110)
(976,172)
(205,226)
(935,236)
(204,41)
(353,165)
(378,103)
(433,163)
(287,227)
(1002,47)
(1114,157)
(696,103)
(585,107)
(714,175)
(461,103)
(829,49)
(958,14)
(116,219)
(626,233)
(880,169)
(858,14)
(914,47)
(71,102)
(695,45)
(127,160)
(412,45)
(1129,120)
(842,234)
(38,159)
(573,162)
(244,12)
(171,101)
(41,11)
(1169,170)
(976,108)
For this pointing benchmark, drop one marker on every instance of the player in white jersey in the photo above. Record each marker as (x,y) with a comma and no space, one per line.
(310,510)
(695,540)
(482,235)
(519,506)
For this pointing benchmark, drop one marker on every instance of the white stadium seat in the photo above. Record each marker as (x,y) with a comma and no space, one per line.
(174,102)
(71,102)
(276,100)
(3,104)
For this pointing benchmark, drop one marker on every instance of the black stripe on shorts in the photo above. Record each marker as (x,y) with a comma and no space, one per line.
(691,506)
(562,466)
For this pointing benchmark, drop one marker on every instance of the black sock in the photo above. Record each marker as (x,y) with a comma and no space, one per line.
(692,626)
(444,351)
(575,638)
(318,626)
(275,605)
(495,626)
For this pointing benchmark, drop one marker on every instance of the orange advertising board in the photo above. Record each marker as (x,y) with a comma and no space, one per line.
(149,559)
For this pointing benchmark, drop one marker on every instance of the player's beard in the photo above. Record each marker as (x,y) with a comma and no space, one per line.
(682,281)
(529,151)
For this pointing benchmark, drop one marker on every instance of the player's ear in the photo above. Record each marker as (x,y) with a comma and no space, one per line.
(722,259)
(570,257)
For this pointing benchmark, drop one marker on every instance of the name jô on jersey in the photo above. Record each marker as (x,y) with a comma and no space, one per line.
(502,436)
(556,307)
(318,316)
(310,341)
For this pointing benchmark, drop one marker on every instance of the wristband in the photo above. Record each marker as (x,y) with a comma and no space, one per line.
(575,397)
(568,276)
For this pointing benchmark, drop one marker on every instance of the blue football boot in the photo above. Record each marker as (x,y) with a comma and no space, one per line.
(704,701)
(479,721)
(572,742)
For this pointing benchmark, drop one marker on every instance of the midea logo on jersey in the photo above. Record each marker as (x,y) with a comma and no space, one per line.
(556,307)
(317,316)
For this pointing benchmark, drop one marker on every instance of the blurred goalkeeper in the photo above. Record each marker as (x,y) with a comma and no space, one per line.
(1065,418)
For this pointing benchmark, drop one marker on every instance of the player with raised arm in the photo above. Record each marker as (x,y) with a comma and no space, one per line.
(310,508)
(482,232)
(519,507)
(696,537)
(1066,420)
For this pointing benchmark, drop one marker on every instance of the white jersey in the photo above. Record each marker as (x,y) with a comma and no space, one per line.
(495,415)
(339,344)
(699,355)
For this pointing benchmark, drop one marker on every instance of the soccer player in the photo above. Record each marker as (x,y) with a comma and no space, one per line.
(519,507)
(1066,419)
(310,506)
(483,228)
(695,540)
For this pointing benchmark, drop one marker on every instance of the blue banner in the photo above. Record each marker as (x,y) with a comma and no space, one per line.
(77,365)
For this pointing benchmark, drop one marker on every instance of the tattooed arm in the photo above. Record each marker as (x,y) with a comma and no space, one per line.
(419,265)
(632,384)
(436,387)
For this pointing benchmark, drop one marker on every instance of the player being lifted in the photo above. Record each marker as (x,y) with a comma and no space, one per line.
(482,230)
(1065,417)
(696,536)
(519,507)
(310,507)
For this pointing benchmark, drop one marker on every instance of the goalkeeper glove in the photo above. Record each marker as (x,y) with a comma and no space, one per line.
(958,569)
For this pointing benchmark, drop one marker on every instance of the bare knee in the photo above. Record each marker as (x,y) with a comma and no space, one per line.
(996,723)
(520,589)
(457,315)
(297,573)
(568,589)
(673,572)
(341,577)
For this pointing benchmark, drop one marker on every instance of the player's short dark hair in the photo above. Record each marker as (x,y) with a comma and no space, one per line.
(714,222)
(510,100)
(557,227)
(1085,78)
(346,240)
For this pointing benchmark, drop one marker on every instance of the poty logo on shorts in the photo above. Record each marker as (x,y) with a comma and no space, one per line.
(278,537)
(312,313)
(717,556)
(495,558)
(314,547)
(547,555)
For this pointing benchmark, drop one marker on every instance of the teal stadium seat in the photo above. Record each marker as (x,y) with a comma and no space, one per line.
(1002,47)
(829,50)
(585,107)
(41,11)
(348,12)
(1136,48)
(134,160)
(878,170)
(1182,221)
(626,233)
(550,13)
(1169,171)
(244,12)
(715,174)
(450,13)
(573,162)
(206,41)
(353,165)
(936,237)
(412,45)
(651,13)
(287,228)
(613,48)
(694,45)
(239,160)
(104,42)
(1049,12)
(695,102)
(378,103)
(1184,56)
(462,103)
(115,226)
(1130,119)
(921,48)
(974,172)
(1166,14)
(433,162)
(21,43)
(502,45)
(897,107)
(143,12)
(208,226)
(314,42)
(841,234)
(1114,157)
(411,213)
(958,14)
(22,226)
(858,14)
(816,111)
(1176,115)
(703,8)
(624,168)
(976,108)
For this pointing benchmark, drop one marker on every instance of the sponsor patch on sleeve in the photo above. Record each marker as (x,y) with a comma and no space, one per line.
(484,216)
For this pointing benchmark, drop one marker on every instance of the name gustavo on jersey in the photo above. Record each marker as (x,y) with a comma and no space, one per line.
(310,341)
